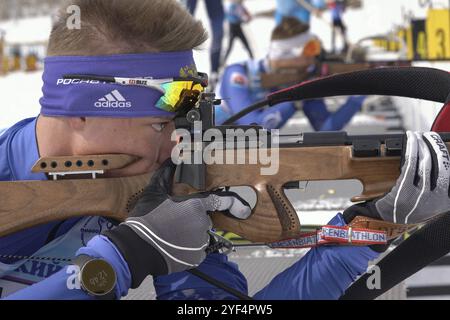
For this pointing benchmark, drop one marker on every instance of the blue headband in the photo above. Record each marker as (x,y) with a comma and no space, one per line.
(78,98)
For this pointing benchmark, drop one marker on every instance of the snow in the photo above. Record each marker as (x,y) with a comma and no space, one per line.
(21,91)
(27,30)
(20,97)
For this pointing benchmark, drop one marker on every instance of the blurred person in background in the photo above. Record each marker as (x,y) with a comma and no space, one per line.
(292,58)
(216,13)
(338,9)
(16,53)
(236,15)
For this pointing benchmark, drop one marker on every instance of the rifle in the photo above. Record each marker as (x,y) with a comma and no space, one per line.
(374,160)
(324,68)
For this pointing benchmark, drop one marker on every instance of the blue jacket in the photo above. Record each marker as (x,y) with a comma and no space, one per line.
(337,11)
(240,86)
(291,8)
(324,273)
(36,279)
(235,13)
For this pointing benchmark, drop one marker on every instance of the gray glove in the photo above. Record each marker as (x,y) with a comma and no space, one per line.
(170,234)
(422,190)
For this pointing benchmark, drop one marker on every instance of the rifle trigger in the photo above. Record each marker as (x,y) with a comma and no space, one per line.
(303,185)
(223,245)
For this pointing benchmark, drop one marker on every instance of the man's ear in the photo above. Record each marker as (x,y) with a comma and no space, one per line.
(77,124)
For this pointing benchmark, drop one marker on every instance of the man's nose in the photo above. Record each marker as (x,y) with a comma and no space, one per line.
(167,144)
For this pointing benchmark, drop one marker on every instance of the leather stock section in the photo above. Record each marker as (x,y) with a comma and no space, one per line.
(393,230)
(286,213)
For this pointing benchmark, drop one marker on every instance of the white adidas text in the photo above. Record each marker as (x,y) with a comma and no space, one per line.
(113,100)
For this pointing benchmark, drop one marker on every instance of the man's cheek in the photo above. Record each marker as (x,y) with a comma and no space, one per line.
(166,151)
(147,151)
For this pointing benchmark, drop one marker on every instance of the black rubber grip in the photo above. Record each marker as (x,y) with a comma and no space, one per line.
(412,82)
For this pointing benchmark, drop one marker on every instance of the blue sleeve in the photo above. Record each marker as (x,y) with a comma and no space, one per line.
(316,112)
(319,4)
(323,120)
(63,286)
(338,120)
(185,286)
(235,92)
(324,273)
(237,95)
(274,117)
(53,288)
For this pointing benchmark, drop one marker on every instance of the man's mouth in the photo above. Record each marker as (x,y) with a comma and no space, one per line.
(139,167)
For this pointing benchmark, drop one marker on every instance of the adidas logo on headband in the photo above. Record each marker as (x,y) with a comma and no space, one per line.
(113,100)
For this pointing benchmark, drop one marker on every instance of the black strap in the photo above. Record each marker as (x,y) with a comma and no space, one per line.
(423,247)
(52,234)
(220,284)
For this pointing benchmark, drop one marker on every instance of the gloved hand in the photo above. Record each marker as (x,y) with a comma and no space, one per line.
(167,234)
(422,190)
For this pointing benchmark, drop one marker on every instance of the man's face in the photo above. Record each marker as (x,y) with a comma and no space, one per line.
(144,138)
(300,58)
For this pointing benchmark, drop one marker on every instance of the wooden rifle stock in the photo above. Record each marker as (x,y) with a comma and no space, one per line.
(30,203)
(26,204)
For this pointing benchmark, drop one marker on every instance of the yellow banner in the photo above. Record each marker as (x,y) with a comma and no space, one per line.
(409,42)
(438,34)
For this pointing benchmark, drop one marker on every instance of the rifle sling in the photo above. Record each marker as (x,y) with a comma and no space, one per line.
(423,247)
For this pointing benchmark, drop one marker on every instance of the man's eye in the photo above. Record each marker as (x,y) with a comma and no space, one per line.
(159,126)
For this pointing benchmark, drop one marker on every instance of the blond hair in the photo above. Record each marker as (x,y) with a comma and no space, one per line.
(125,27)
